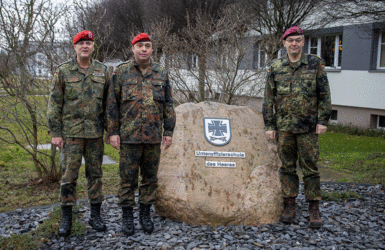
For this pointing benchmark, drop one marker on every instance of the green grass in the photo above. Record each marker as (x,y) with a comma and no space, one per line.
(359,159)
(336,196)
(19,191)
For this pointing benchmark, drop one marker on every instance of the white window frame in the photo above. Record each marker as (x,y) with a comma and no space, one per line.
(258,63)
(378,122)
(281,52)
(334,121)
(380,42)
(336,50)
(194,61)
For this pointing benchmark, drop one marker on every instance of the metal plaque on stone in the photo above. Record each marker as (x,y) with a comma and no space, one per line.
(217,130)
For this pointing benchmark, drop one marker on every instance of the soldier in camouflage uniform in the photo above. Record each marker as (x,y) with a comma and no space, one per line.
(296,109)
(144,117)
(76,119)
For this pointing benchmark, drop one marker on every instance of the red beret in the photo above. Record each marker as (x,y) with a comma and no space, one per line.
(293,31)
(83,35)
(140,38)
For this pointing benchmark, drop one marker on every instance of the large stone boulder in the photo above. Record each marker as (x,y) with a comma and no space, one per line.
(248,194)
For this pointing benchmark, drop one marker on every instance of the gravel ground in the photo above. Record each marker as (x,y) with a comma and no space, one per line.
(350,224)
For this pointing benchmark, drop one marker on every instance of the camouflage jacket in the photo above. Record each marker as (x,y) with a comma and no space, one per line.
(299,95)
(77,101)
(144,108)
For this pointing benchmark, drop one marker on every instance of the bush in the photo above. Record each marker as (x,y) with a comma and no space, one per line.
(353,130)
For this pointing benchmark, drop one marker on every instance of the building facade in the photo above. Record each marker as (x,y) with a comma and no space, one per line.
(354,57)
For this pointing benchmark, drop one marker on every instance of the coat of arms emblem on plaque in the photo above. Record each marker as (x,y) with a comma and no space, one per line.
(217,130)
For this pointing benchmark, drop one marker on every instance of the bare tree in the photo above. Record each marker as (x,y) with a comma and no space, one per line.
(91,15)
(25,28)
(271,19)
(369,10)
(223,44)
(129,18)
(185,16)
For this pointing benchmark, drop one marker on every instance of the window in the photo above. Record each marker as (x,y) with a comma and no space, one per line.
(333,117)
(381,51)
(192,62)
(259,57)
(329,48)
(381,121)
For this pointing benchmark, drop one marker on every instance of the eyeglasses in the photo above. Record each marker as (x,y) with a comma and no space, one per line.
(292,40)
(87,43)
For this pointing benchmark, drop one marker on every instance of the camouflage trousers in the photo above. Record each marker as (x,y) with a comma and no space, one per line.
(71,161)
(132,158)
(305,148)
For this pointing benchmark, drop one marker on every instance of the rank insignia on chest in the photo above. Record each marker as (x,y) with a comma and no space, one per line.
(98,74)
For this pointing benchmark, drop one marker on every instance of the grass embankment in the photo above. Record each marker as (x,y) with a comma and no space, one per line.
(17,173)
(18,177)
(352,158)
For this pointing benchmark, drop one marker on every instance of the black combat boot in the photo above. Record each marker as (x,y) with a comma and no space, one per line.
(96,221)
(128,226)
(289,210)
(66,221)
(145,218)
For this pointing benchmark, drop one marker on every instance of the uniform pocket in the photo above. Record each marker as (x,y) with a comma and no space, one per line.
(98,83)
(73,86)
(309,86)
(283,84)
(308,79)
(129,87)
(158,90)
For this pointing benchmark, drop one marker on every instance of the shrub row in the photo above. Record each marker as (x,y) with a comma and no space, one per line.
(353,130)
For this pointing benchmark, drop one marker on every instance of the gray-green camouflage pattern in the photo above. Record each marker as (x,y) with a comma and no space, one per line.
(305,148)
(132,158)
(143,104)
(78,100)
(299,93)
(71,160)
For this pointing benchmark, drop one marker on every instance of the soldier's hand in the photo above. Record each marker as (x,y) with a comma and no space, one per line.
(107,138)
(271,134)
(57,142)
(167,141)
(115,141)
(321,129)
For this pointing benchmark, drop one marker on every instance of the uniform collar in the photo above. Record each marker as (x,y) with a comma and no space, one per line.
(286,61)
(150,68)
(75,66)
(303,59)
(135,64)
